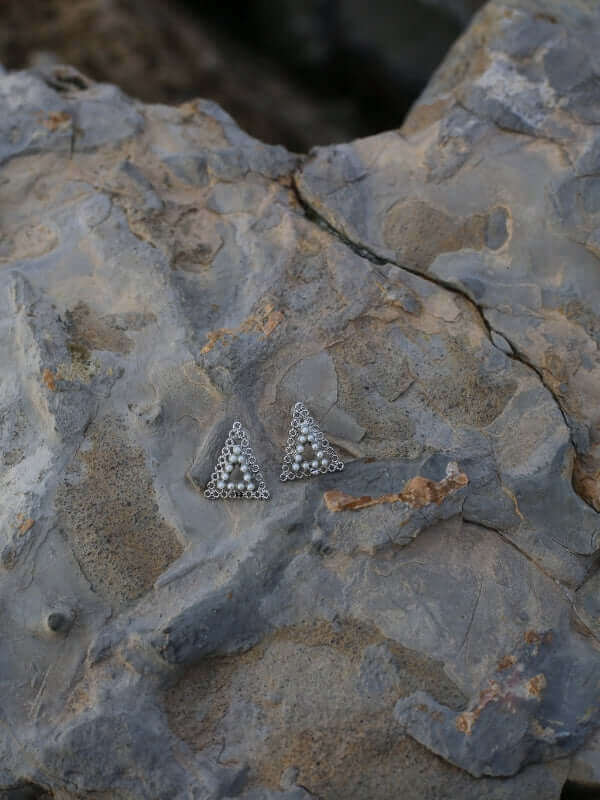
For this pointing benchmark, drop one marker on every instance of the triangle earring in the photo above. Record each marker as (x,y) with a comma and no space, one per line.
(237,474)
(307,451)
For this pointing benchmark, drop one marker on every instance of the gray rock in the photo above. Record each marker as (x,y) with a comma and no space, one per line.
(161,278)
(492,190)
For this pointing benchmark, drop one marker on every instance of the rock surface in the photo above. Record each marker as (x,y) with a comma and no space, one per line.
(431,296)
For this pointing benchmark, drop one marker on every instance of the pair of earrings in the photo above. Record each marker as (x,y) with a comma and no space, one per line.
(307,453)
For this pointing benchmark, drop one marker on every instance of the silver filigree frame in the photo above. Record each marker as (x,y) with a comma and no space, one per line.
(237,438)
(301,418)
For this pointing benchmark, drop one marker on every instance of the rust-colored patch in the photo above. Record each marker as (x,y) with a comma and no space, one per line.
(509,493)
(465,722)
(506,662)
(532,637)
(417,493)
(536,685)
(214,337)
(271,322)
(25,526)
(56,119)
(586,482)
(49,379)
(264,320)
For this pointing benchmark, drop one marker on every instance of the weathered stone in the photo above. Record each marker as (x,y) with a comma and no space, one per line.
(509,150)
(161,278)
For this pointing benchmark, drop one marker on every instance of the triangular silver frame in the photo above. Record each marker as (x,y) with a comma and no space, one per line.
(237,445)
(303,421)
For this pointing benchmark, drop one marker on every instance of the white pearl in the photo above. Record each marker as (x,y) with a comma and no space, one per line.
(297,458)
(300,448)
(324,461)
(302,439)
(241,486)
(236,449)
(247,476)
(304,429)
(310,437)
(232,458)
(251,487)
(241,461)
(228,467)
(220,484)
(305,465)
(231,485)
(314,464)
(296,467)
(320,454)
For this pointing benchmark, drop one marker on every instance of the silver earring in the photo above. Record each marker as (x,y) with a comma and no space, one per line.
(307,452)
(237,474)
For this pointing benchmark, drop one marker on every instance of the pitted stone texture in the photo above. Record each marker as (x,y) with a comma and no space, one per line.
(161,279)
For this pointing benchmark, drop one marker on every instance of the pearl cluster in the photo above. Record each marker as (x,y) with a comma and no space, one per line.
(236,458)
(308,436)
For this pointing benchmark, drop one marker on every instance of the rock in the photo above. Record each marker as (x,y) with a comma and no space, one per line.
(170,55)
(163,274)
(491,189)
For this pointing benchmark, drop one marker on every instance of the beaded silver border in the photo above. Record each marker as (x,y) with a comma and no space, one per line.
(237,437)
(302,419)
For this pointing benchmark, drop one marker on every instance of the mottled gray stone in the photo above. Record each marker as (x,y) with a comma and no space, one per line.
(161,279)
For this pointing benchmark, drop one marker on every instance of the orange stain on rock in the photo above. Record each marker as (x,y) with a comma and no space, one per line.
(49,379)
(417,493)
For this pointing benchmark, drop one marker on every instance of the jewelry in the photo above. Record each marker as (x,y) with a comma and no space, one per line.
(307,452)
(237,474)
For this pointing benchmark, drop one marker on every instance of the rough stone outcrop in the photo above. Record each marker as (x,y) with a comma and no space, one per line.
(431,295)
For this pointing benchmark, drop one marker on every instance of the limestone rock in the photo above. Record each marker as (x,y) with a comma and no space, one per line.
(164,273)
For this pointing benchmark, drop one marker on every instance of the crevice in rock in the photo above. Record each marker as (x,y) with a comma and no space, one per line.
(568,589)
(313,215)
(576,791)
(25,791)
(369,255)
(517,355)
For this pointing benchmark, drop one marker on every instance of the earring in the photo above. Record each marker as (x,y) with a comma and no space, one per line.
(307,452)
(237,474)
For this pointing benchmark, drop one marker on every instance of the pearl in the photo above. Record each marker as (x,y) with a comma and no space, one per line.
(296,467)
(304,429)
(241,486)
(220,484)
(232,458)
(251,487)
(224,476)
(231,486)
(302,439)
(247,476)
(300,448)
(236,449)
(320,454)
(314,464)
(297,458)
(324,461)
(311,437)
(305,465)
(241,461)
(229,467)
